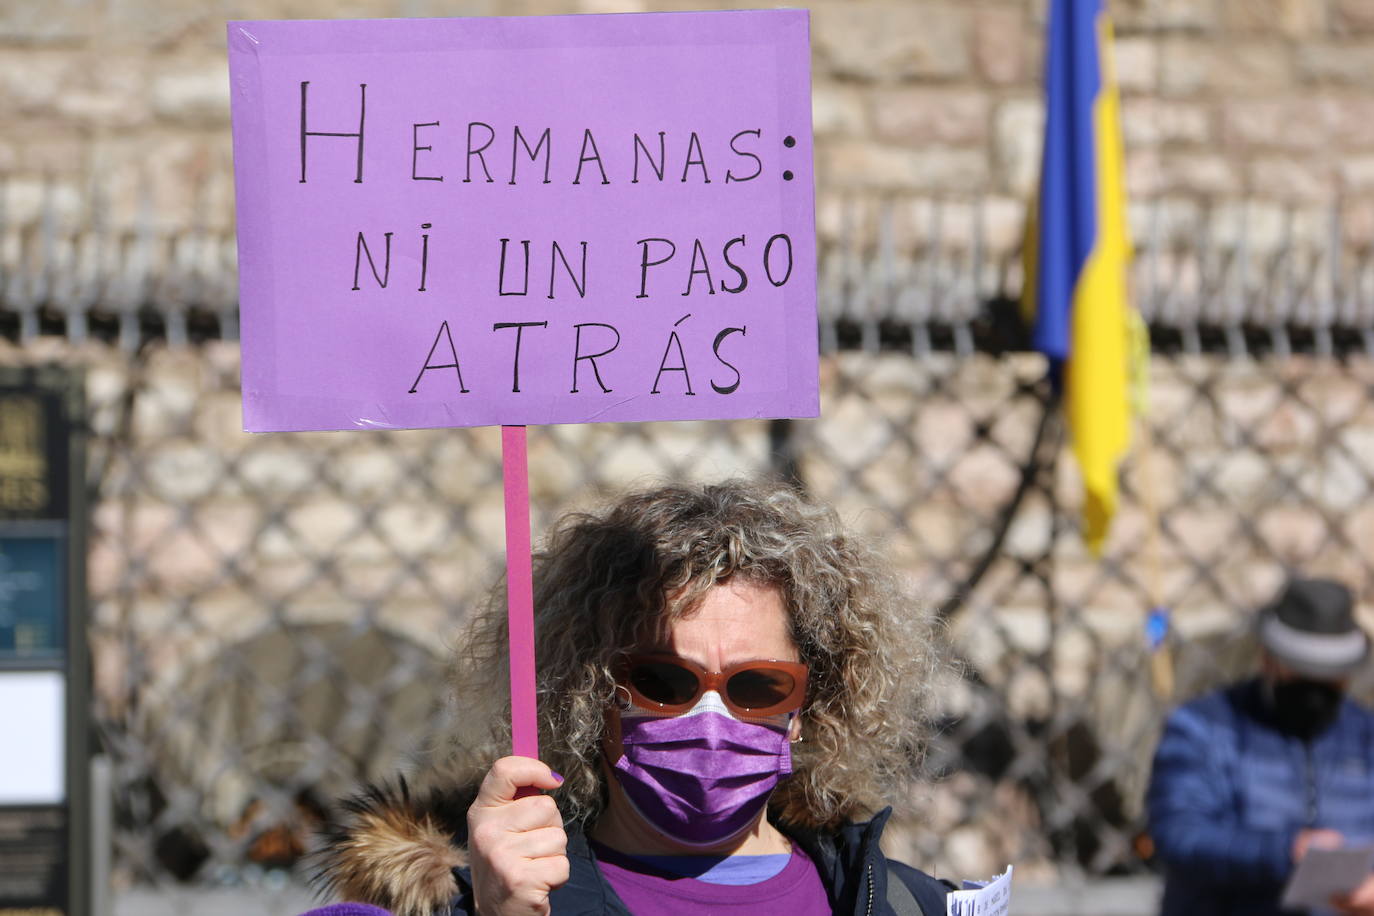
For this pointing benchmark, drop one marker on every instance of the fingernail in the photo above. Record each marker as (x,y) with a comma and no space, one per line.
(556,775)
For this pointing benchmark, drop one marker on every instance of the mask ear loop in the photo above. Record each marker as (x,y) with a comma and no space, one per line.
(610,741)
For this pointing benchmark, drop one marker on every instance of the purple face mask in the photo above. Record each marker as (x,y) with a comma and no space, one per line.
(701,777)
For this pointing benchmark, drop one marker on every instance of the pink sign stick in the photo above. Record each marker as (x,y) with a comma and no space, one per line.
(524,712)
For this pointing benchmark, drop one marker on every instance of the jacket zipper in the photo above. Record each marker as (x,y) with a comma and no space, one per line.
(869,910)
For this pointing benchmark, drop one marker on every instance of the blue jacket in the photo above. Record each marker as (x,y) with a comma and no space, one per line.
(1229,793)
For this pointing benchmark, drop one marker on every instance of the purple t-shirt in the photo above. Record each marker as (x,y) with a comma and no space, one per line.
(796,889)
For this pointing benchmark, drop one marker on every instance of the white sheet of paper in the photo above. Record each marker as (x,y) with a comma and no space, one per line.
(33,719)
(992,898)
(1323,872)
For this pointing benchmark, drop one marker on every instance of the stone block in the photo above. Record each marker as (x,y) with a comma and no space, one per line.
(112,95)
(838,111)
(832,217)
(1201,173)
(1295,18)
(229,527)
(1199,15)
(882,40)
(1001,37)
(31,80)
(180,471)
(368,473)
(1152,121)
(174,174)
(1256,67)
(1341,480)
(167,402)
(1291,179)
(277,470)
(1353,17)
(1357,218)
(1127,15)
(102,108)
(162,25)
(193,92)
(1294,122)
(1357,173)
(45,151)
(1203,532)
(1359,524)
(172,558)
(610,6)
(1292,533)
(62,22)
(413,528)
(1183,65)
(1343,63)
(931,115)
(1029,534)
(1144,174)
(1137,63)
(1018,135)
(219,422)
(869,166)
(1350,119)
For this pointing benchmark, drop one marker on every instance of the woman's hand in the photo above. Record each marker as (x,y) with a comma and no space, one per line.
(1315,838)
(516,841)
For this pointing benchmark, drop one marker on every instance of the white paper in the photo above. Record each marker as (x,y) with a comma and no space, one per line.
(988,898)
(33,721)
(1324,872)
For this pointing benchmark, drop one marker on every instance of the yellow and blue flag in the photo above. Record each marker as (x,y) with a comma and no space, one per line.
(1077,253)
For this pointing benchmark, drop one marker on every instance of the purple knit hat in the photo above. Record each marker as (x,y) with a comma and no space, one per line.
(348,909)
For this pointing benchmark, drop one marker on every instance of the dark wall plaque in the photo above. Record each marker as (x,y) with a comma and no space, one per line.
(33,846)
(32,606)
(33,454)
(44,848)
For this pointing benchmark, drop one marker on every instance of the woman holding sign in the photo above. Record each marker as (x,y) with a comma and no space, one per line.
(729,687)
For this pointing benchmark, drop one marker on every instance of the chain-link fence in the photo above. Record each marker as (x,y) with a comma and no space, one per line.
(270,613)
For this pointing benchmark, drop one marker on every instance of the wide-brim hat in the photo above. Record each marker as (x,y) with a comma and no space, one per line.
(1310,627)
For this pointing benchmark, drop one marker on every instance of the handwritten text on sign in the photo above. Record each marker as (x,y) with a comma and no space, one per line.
(519,221)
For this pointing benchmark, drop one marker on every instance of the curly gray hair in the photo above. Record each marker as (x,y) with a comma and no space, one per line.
(605,581)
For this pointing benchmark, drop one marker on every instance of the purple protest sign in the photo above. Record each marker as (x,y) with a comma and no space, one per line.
(468,222)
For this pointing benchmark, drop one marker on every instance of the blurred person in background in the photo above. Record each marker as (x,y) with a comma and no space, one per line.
(730,685)
(1248,778)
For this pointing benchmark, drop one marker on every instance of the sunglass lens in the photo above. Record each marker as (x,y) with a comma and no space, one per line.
(664,683)
(759,688)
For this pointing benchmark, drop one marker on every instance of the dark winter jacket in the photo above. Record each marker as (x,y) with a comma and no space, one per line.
(1230,792)
(399,852)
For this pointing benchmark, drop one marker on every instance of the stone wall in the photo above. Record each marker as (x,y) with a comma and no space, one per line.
(1263,99)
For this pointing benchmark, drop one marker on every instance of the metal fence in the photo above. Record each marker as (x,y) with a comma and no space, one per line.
(270,613)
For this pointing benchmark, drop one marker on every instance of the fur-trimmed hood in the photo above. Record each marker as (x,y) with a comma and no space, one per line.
(395,847)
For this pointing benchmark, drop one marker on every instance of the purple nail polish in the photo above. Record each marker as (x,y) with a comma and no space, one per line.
(556,775)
